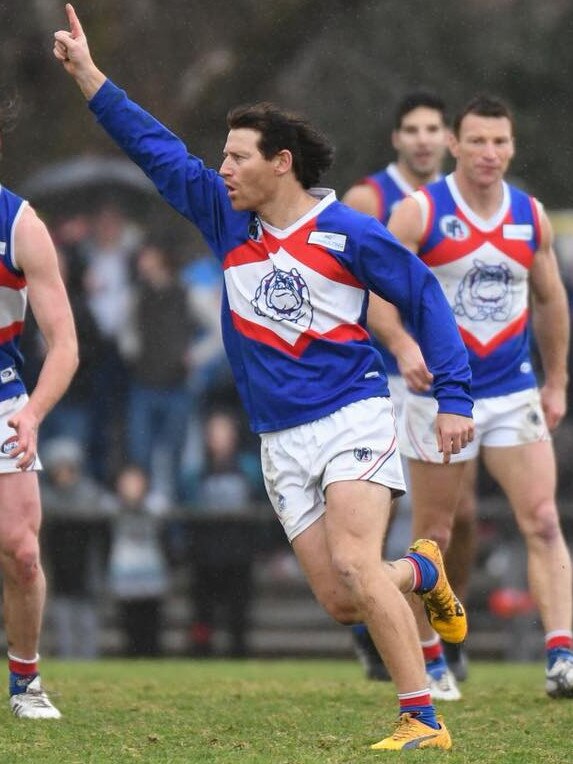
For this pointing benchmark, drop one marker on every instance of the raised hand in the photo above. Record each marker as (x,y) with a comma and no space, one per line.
(72,50)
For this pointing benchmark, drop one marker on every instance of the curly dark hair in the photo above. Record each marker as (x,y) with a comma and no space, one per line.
(312,153)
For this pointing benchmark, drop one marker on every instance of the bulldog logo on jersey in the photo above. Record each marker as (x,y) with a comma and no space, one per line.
(453,228)
(485,293)
(284,296)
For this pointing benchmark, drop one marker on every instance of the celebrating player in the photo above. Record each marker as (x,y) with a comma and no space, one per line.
(298,266)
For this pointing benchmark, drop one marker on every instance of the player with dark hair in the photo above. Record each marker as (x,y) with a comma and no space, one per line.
(490,245)
(298,267)
(28,271)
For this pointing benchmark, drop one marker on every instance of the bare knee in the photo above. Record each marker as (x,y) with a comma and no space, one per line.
(21,559)
(543,524)
(342,611)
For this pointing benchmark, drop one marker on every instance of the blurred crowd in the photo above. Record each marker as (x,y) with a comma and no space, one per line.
(148,453)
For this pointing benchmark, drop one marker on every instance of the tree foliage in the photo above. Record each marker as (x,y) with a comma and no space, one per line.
(343,63)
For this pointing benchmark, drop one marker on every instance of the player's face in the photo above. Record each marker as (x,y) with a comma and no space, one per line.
(483,149)
(251,180)
(421,142)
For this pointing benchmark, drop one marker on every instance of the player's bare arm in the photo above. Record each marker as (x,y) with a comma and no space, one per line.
(35,254)
(362,198)
(384,319)
(385,322)
(71,49)
(551,326)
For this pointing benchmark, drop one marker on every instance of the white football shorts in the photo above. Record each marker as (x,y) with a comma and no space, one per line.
(507,420)
(8,437)
(357,442)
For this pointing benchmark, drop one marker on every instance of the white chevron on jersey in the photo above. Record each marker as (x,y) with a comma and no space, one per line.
(290,300)
(487,290)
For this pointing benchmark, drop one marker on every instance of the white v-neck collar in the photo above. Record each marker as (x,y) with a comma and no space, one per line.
(483,225)
(325,197)
(394,172)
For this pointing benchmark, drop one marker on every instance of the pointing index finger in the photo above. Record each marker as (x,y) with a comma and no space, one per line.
(75,26)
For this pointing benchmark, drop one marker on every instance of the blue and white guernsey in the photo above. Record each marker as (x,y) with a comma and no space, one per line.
(295,301)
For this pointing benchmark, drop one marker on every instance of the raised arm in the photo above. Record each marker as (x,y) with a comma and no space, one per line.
(36,256)
(550,326)
(71,49)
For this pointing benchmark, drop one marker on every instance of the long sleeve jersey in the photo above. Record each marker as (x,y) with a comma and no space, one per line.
(295,299)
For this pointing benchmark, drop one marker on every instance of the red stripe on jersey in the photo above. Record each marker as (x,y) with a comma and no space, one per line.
(8,333)
(313,256)
(254,331)
(511,330)
(248,252)
(448,251)
(10,279)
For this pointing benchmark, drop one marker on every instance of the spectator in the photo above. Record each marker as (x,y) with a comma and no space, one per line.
(157,343)
(138,571)
(223,540)
(107,280)
(76,534)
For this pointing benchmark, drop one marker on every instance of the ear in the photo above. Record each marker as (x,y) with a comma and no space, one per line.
(453,144)
(282,162)
(395,139)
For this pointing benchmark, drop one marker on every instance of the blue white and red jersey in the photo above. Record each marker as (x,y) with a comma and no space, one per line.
(295,300)
(13,297)
(390,188)
(483,267)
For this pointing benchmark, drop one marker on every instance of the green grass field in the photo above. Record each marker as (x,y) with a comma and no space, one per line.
(275,712)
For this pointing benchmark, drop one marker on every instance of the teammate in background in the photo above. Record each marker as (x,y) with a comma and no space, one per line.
(490,245)
(298,268)
(419,138)
(28,270)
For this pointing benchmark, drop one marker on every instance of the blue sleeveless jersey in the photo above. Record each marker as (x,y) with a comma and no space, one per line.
(483,268)
(295,300)
(13,298)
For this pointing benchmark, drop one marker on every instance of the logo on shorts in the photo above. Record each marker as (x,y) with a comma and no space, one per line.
(363,454)
(534,418)
(281,502)
(9,445)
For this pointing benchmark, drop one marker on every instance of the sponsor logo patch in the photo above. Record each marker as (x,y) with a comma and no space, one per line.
(518,232)
(335,241)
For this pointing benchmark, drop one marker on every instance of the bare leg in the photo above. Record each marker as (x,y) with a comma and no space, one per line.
(340,554)
(436,492)
(527,476)
(24,587)
(462,548)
